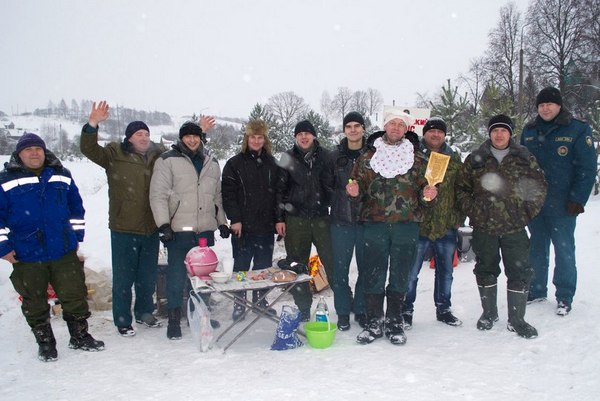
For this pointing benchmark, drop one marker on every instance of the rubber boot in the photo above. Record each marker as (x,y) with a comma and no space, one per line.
(489,303)
(46,342)
(239,307)
(80,338)
(374,326)
(394,322)
(174,324)
(517,303)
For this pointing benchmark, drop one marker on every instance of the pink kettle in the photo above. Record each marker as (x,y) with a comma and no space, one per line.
(200,261)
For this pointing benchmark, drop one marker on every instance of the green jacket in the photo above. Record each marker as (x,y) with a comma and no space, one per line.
(444,213)
(128,174)
(500,198)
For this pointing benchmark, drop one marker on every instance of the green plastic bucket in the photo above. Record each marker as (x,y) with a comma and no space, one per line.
(320,334)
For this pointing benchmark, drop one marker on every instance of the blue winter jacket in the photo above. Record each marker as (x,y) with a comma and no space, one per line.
(565,151)
(41,217)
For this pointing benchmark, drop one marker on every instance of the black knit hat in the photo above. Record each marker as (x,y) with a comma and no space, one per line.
(354,116)
(500,121)
(305,126)
(549,95)
(28,140)
(435,123)
(134,127)
(190,128)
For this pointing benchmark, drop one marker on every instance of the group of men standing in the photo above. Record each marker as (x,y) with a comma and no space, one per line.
(368,198)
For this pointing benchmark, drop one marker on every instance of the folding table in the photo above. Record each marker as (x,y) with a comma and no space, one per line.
(229,289)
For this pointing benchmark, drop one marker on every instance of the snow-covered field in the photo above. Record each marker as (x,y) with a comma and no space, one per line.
(439,362)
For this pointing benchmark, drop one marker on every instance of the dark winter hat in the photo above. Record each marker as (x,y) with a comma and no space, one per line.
(190,128)
(549,95)
(305,126)
(134,127)
(435,123)
(28,140)
(354,116)
(500,121)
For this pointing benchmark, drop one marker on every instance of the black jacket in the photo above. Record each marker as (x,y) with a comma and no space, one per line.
(343,208)
(248,189)
(306,183)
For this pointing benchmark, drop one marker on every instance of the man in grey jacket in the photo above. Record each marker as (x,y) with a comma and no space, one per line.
(185,197)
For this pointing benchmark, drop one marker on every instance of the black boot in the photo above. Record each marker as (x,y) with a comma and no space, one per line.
(239,308)
(80,338)
(394,322)
(374,327)
(174,324)
(263,304)
(46,342)
(488,295)
(517,303)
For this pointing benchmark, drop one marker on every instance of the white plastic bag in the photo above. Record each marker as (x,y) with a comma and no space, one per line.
(199,318)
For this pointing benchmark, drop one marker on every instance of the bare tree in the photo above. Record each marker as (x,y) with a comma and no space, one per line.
(475,82)
(341,102)
(375,102)
(555,38)
(502,56)
(360,102)
(287,108)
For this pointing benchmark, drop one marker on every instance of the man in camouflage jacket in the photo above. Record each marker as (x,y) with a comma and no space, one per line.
(501,188)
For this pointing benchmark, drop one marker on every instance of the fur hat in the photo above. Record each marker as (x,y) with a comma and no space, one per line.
(305,126)
(393,113)
(354,116)
(134,127)
(27,140)
(257,127)
(435,123)
(549,95)
(500,121)
(190,128)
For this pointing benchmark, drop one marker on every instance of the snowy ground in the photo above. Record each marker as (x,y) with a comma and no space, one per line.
(439,362)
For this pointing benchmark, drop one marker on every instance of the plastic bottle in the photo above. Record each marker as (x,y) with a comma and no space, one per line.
(322,311)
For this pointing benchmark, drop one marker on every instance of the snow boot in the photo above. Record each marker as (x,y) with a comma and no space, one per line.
(239,308)
(361,319)
(343,323)
(563,308)
(448,318)
(174,324)
(488,295)
(517,303)
(408,320)
(263,303)
(46,342)
(80,338)
(374,326)
(394,321)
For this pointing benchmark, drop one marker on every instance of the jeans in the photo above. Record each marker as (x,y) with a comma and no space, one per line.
(135,264)
(347,239)
(252,246)
(177,250)
(561,232)
(389,246)
(443,251)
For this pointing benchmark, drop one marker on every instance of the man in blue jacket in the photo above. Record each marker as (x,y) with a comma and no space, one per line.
(41,225)
(564,149)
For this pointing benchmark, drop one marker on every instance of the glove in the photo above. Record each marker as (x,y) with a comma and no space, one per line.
(165,233)
(289,264)
(224,231)
(574,208)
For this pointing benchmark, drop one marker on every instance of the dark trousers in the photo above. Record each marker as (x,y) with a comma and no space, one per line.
(301,234)
(515,258)
(135,264)
(177,250)
(561,232)
(346,240)
(66,275)
(389,247)
(252,247)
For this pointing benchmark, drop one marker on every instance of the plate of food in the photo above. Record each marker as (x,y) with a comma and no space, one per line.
(258,275)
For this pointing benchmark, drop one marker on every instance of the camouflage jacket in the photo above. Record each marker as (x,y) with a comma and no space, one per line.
(444,213)
(390,200)
(500,198)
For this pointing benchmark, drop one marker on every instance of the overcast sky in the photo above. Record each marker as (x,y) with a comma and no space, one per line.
(221,57)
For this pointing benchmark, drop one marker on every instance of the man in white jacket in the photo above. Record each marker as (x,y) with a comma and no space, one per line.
(185,197)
